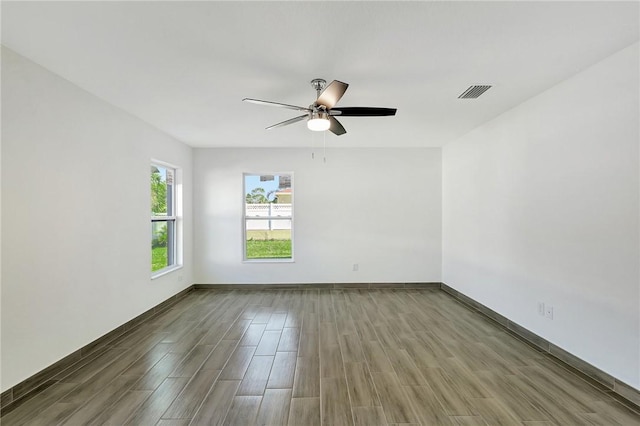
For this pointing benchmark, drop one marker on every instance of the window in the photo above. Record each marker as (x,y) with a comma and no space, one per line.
(268,217)
(163,218)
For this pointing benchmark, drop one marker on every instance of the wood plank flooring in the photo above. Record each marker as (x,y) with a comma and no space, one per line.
(320,357)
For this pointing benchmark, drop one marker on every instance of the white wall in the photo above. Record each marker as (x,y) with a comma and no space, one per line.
(542,204)
(337,219)
(75,217)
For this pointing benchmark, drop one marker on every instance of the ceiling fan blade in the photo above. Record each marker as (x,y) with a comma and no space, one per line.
(363,111)
(335,127)
(289,121)
(278,104)
(332,94)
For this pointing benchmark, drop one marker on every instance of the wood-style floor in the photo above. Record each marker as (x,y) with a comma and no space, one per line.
(311,357)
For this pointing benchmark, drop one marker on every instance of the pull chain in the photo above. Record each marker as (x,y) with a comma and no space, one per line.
(324,140)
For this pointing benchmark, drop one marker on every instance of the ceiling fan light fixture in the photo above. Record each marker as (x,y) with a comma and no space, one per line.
(318,122)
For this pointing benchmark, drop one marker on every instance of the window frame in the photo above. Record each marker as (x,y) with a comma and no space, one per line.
(245,218)
(173,216)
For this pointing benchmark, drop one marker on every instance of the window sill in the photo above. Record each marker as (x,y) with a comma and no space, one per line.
(268,261)
(165,271)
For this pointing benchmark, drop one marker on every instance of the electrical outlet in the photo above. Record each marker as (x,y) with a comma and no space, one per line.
(355,267)
(541,310)
(180,278)
(548,312)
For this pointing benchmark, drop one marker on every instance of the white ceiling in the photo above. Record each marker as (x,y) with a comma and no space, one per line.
(185,66)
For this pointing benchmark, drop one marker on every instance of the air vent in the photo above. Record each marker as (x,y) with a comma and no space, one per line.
(473,92)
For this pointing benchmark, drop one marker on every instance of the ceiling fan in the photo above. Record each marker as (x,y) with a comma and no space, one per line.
(321,115)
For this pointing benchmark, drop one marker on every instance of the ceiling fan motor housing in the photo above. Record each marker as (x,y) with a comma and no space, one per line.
(318,84)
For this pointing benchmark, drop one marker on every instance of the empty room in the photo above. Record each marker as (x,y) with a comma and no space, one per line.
(320,213)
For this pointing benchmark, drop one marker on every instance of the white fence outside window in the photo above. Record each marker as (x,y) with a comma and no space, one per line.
(274,216)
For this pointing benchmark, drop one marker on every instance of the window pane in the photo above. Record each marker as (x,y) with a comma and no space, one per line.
(268,239)
(162,244)
(159,245)
(161,191)
(267,189)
